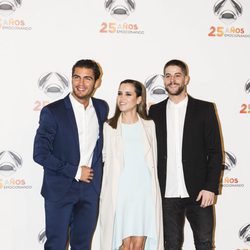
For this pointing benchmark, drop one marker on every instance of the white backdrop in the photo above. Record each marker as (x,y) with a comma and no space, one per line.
(41,40)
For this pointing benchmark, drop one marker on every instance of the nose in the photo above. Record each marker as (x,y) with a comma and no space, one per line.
(122,97)
(171,78)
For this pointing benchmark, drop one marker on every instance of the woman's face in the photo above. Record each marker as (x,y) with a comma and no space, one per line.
(127,100)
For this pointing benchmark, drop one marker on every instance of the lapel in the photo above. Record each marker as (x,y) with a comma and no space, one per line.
(188,123)
(98,114)
(163,125)
(188,116)
(146,136)
(147,142)
(72,119)
(118,139)
(99,141)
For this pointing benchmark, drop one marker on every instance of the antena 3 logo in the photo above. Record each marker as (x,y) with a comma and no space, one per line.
(245,107)
(120,10)
(244,234)
(10,163)
(8,7)
(228,12)
(155,87)
(247,86)
(42,236)
(230,162)
(53,85)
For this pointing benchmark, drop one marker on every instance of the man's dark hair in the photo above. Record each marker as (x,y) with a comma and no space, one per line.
(89,64)
(179,63)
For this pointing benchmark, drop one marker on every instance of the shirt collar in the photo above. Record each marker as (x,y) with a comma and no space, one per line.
(179,104)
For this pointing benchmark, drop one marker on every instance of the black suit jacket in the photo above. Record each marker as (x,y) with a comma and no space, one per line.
(201,146)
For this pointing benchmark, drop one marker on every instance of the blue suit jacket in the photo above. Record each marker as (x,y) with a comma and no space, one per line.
(56,147)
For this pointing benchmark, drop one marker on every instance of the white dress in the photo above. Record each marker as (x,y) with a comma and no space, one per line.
(135,210)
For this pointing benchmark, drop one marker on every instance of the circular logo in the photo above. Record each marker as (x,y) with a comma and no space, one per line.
(119,9)
(228,10)
(155,87)
(244,233)
(229,162)
(247,86)
(9,6)
(53,84)
(42,236)
(10,162)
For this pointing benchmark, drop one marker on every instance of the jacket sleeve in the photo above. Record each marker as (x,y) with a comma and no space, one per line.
(214,150)
(43,146)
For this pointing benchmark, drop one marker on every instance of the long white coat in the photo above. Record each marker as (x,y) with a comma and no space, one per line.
(113,158)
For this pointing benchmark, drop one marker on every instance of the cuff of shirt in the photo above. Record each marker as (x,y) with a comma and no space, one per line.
(78,174)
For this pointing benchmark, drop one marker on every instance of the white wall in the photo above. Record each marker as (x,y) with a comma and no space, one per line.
(42,37)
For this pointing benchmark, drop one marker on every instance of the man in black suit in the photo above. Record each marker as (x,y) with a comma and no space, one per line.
(189,160)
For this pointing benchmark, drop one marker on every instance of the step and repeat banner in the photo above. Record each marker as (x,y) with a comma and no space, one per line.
(41,40)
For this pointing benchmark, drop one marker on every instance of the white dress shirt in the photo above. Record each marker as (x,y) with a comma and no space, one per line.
(88,132)
(175,184)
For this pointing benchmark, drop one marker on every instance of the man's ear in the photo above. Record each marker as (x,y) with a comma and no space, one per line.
(187,79)
(98,82)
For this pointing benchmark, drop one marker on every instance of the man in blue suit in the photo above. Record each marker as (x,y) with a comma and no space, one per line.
(68,144)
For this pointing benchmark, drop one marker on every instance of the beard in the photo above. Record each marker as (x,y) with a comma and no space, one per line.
(177,91)
(82,96)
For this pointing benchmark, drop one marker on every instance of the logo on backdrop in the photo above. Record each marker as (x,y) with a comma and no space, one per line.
(155,87)
(245,107)
(54,85)
(10,163)
(228,10)
(120,10)
(42,236)
(244,234)
(228,13)
(7,8)
(247,86)
(229,164)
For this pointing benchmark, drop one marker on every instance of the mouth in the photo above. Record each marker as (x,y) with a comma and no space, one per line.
(81,89)
(173,85)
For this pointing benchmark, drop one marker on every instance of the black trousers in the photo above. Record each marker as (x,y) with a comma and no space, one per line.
(201,220)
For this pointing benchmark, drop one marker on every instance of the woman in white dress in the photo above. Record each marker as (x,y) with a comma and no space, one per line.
(130,202)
